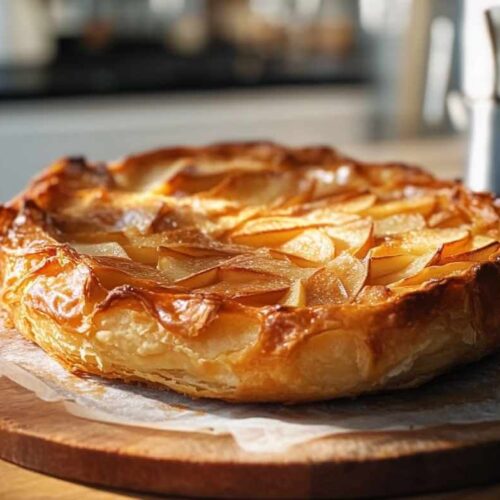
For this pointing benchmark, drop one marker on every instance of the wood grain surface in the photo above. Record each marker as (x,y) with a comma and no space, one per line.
(17,483)
(44,437)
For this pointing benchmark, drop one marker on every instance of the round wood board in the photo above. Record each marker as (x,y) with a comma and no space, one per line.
(44,437)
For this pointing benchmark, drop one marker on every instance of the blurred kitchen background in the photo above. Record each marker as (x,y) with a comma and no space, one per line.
(107,77)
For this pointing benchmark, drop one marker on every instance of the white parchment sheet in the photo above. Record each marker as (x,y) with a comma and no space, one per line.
(470,394)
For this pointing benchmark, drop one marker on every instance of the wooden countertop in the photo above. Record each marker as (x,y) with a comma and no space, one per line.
(20,484)
(444,157)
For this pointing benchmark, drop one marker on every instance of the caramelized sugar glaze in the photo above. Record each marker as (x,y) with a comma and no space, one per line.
(253,272)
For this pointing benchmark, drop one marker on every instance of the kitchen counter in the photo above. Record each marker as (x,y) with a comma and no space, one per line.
(17,483)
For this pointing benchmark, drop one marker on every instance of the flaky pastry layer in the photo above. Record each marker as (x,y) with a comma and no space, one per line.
(253,272)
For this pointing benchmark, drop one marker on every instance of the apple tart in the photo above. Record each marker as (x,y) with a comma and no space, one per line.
(253,272)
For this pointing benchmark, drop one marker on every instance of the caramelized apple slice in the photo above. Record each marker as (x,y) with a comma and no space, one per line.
(338,282)
(276,230)
(423,205)
(458,245)
(195,251)
(434,273)
(398,224)
(205,277)
(112,272)
(188,271)
(356,205)
(293,258)
(332,181)
(261,299)
(446,218)
(308,207)
(262,263)
(447,241)
(209,249)
(325,288)
(414,266)
(296,295)
(481,248)
(235,274)
(109,249)
(190,243)
(222,224)
(424,240)
(327,216)
(258,188)
(286,223)
(255,292)
(269,231)
(390,248)
(384,265)
(189,179)
(356,238)
(374,294)
(145,255)
(149,178)
(147,250)
(154,240)
(351,271)
(313,245)
(93,237)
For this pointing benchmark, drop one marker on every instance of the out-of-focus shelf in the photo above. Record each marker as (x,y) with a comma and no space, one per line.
(133,74)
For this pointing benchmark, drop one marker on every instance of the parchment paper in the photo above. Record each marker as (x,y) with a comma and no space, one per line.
(467,395)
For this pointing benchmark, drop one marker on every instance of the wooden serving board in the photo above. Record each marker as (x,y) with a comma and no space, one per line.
(44,437)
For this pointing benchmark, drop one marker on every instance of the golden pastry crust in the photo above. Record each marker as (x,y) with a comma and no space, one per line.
(253,272)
